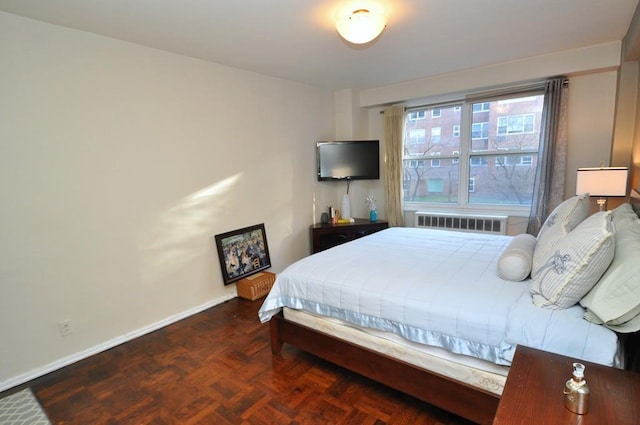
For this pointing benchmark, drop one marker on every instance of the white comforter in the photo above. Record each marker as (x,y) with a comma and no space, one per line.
(438,288)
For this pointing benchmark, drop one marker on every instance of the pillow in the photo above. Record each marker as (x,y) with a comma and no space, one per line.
(615,300)
(515,262)
(576,264)
(563,219)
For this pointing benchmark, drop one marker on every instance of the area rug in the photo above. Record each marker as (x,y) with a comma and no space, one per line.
(22,408)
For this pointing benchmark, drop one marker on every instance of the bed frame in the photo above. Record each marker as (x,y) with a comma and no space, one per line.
(453,396)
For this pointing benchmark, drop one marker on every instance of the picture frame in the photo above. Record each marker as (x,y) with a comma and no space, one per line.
(242,252)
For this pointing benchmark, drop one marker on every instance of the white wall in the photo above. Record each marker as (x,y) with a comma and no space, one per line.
(118,165)
(352,123)
(592,106)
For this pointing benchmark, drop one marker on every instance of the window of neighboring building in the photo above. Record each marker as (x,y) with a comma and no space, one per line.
(417,115)
(417,136)
(481,107)
(490,156)
(480,130)
(516,124)
(435,134)
(477,161)
(526,160)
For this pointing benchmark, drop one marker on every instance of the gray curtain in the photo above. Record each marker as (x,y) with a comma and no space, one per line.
(548,189)
(393,140)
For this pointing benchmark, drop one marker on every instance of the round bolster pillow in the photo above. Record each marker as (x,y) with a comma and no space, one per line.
(516,261)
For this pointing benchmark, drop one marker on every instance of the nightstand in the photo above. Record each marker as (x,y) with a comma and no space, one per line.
(533,392)
(325,236)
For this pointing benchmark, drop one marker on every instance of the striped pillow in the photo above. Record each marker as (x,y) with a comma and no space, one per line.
(575,264)
(563,219)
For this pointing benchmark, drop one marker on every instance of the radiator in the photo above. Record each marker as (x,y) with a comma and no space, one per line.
(462,222)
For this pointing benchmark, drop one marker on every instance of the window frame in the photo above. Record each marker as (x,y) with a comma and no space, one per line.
(462,159)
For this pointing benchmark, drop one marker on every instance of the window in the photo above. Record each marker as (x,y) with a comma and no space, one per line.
(435,135)
(417,115)
(437,180)
(480,130)
(417,136)
(477,161)
(489,157)
(481,107)
(516,124)
(480,136)
(526,160)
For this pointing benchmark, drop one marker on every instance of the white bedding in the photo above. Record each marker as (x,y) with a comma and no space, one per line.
(438,288)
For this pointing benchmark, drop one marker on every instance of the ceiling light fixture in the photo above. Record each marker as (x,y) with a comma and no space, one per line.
(361,26)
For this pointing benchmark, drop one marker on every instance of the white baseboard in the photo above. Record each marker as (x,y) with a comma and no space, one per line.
(65,361)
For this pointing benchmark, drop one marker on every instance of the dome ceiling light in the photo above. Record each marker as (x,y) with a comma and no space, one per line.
(361,26)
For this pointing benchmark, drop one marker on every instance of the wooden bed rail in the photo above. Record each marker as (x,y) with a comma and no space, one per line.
(456,397)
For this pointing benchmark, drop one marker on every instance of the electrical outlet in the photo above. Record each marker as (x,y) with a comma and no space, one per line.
(65,328)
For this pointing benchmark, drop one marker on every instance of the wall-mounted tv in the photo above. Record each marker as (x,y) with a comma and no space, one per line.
(348,160)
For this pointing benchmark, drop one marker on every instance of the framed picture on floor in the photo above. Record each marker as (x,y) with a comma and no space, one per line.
(243,252)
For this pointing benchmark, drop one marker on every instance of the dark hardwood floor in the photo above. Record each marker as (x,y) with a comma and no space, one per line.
(217,368)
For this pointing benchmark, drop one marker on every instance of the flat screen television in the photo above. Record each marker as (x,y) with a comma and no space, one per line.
(348,160)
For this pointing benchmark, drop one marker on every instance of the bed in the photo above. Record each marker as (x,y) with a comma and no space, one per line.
(429,312)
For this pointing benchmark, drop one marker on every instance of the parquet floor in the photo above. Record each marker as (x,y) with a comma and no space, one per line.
(217,368)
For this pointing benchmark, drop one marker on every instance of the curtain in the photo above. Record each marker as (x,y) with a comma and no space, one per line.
(548,190)
(393,129)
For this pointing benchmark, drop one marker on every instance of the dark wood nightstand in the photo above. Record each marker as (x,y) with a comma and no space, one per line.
(325,236)
(533,392)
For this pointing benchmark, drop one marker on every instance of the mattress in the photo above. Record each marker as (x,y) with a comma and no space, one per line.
(472,371)
(437,288)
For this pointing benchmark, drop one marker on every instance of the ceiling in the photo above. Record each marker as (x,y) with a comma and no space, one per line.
(296,39)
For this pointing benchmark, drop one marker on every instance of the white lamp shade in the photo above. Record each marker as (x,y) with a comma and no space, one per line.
(607,181)
(361,26)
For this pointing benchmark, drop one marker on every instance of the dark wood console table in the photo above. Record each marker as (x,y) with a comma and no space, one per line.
(325,236)
(533,392)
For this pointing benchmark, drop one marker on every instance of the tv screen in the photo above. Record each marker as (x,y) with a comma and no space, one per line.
(349,160)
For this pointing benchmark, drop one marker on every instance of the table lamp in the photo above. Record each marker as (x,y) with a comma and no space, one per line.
(603,182)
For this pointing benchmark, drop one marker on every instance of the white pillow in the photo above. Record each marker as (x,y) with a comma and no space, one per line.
(576,263)
(563,219)
(615,300)
(515,262)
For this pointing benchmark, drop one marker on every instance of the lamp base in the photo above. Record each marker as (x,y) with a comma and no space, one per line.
(346,207)
(601,203)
